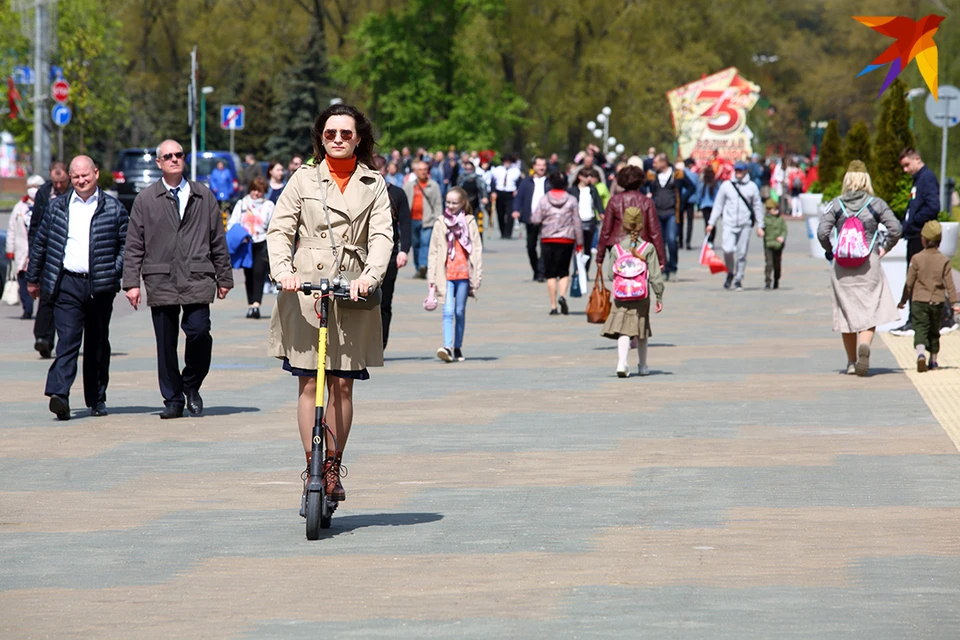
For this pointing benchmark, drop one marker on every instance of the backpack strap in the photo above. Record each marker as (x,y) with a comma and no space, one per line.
(620,251)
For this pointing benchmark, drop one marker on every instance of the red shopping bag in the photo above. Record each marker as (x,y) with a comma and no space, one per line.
(710,259)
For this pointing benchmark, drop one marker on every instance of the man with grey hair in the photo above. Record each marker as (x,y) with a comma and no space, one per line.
(76,263)
(176,242)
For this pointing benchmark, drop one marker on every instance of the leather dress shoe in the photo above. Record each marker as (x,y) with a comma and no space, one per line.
(60,406)
(171,411)
(43,347)
(194,402)
(99,410)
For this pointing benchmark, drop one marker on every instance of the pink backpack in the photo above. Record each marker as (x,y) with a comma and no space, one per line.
(851,248)
(629,275)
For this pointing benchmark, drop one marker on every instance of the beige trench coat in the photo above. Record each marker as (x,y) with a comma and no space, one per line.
(362,227)
(437,258)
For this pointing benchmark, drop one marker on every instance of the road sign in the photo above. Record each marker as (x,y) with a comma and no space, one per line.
(231,116)
(946,110)
(61,115)
(56,73)
(23,75)
(61,91)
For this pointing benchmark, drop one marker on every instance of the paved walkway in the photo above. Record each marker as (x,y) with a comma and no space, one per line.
(746,490)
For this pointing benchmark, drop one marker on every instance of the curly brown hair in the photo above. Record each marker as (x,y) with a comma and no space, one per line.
(630,178)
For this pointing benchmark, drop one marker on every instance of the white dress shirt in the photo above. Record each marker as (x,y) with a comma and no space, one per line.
(505,179)
(539,188)
(586,204)
(182,196)
(76,255)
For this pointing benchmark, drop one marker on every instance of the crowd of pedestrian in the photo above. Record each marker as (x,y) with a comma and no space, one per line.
(442,204)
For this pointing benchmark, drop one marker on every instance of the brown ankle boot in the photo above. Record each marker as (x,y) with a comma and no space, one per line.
(333,469)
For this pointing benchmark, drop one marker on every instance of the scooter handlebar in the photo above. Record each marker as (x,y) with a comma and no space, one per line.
(337,290)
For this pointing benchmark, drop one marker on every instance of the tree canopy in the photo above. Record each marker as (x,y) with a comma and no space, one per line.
(512,75)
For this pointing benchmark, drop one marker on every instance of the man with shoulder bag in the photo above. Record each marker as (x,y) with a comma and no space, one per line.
(738,203)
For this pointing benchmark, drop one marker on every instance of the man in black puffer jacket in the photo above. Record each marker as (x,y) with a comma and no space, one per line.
(77,262)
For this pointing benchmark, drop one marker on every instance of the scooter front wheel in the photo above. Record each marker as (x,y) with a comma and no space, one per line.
(315,515)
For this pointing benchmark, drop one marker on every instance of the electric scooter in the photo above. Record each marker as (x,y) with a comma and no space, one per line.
(319,507)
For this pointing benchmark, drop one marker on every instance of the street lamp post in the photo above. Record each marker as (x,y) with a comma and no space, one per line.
(602,132)
(203,117)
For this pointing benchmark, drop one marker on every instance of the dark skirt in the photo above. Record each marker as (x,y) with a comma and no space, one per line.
(362,374)
(556,259)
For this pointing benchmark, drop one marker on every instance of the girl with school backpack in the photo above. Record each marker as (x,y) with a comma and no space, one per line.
(848,232)
(636,275)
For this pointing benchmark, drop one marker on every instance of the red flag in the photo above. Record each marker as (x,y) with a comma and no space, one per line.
(13,96)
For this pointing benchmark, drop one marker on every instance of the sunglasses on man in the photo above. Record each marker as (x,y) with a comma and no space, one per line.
(169,156)
(345,134)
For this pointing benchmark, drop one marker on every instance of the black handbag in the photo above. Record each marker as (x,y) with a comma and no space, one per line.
(344,278)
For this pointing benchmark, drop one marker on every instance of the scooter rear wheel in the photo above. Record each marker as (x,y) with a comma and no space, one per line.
(315,515)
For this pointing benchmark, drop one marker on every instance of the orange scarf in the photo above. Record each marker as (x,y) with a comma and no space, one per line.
(341,169)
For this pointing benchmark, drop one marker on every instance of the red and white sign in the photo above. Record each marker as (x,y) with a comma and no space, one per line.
(710,117)
(61,91)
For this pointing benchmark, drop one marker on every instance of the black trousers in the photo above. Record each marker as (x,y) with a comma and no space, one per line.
(505,213)
(199,348)
(772,267)
(706,223)
(533,243)
(43,327)
(80,316)
(589,231)
(687,215)
(386,297)
(254,277)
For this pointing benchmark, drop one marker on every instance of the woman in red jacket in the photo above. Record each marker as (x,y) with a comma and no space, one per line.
(630,179)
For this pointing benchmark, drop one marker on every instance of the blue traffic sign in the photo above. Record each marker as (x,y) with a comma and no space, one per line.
(56,73)
(231,116)
(23,74)
(61,115)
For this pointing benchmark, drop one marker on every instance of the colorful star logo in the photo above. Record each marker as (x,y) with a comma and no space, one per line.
(914,40)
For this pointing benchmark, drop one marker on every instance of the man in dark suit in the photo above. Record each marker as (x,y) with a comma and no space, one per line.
(529,192)
(924,206)
(57,185)
(177,243)
(76,263)
(401,246)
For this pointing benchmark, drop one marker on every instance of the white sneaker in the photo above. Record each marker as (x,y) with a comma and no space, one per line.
(643,370)
(852,369)
(622,371)
(445,354)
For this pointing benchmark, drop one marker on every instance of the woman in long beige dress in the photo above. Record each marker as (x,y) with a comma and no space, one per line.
(861,296)
(344,188)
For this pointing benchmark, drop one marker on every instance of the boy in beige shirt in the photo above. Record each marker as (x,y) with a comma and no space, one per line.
(929,282)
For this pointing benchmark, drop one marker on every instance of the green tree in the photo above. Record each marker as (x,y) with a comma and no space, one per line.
(418,82)
(900,114)
(92,63)
(831,154)
(304,95)
(15,51)
(857,144)
(260,101)
(893,135)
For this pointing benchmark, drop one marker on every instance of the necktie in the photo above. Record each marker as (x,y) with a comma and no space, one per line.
(176,200)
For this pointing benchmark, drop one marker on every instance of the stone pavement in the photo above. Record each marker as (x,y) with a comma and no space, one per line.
(745,490)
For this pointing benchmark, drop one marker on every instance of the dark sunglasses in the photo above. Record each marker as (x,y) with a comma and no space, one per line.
(331,134)
(169,156)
